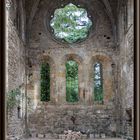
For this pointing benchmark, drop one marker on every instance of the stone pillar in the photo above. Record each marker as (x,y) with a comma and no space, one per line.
(53,97)
(60,84)
(87,97)
(130,12)
(81,84)
(36,79)
(107,82)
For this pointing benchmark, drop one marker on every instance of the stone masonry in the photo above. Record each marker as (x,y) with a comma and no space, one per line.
(31,41)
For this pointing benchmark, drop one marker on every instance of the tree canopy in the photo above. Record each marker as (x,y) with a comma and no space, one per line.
(71,81)
(98,83)
(45,82)
(71,23)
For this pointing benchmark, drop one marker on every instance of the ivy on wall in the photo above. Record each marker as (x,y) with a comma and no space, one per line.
(71,81)
(13,98)
(45,82)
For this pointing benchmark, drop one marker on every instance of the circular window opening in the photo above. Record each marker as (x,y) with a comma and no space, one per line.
(70,24)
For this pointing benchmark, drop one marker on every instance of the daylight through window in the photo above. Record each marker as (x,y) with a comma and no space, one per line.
(71,23)
(98,83)
(45,82)
(71,81)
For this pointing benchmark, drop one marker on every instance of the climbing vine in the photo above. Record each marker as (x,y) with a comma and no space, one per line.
(45,82)
(13,98)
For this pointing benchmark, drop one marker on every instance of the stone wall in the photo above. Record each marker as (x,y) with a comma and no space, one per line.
(16,59)
(126,67)
(15,71)
(99,46)
(50,119)
(116,57)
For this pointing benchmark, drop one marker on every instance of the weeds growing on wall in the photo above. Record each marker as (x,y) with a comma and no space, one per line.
(13,98)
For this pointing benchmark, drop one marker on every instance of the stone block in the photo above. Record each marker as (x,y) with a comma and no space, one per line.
(84,136)
(41,135)
(103,135)
(91,136)
(33,135)
(97,135)
(48,136)
(62,136)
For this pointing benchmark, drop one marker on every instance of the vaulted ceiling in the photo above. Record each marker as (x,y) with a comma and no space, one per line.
(110,5)
(31,7)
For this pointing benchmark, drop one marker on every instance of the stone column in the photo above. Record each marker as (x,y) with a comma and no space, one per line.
(81,83)
(36,79)
(53,97)
(60,84)
(87,96)
(130,12)
(107,82)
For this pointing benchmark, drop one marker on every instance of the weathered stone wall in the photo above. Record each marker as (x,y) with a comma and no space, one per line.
(16,59)
(15,70)
(15,127)
(116,58)
(99,46)
(50,119)
(126,66)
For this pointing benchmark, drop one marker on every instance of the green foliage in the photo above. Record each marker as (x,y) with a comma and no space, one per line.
(98,93)
(71,81)
(98,83)
(71,23)
(13,98)
(45,82)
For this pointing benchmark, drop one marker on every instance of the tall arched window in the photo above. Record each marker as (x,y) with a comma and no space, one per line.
(71,81)
(98,83)
(45,82)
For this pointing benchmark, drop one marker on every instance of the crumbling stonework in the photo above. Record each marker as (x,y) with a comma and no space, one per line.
(110,42)
(16,59)
(86,119)
(15,75)
(126,68)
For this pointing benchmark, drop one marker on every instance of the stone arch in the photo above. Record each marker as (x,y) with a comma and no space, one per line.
(74,57)
(79,60)
(106,62)
(48,59)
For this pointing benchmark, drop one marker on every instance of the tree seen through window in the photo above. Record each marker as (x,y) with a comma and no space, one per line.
(45,82)
(98,83)
(71,23)
(71,81)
